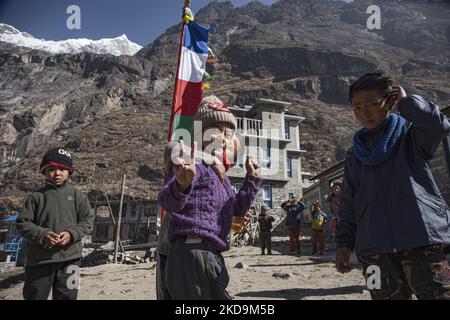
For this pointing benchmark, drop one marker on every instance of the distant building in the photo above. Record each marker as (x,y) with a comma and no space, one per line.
(321,187)
(139,220)
(272,134)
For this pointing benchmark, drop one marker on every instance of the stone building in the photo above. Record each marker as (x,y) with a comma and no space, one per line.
(139,220)
(270,133)
(321,187)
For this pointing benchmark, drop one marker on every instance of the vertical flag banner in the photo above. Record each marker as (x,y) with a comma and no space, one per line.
(191,68)
(187,93)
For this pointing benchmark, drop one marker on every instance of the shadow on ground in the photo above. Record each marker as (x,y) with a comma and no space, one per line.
(16,278)
(300,293)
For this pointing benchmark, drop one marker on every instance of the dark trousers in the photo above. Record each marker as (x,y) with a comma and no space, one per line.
(161,288)
(294,236)
(60,278)
(266,241)
(421,271)
(196,272)
(318,240)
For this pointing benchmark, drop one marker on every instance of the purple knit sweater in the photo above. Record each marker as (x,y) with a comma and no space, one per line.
(206,208)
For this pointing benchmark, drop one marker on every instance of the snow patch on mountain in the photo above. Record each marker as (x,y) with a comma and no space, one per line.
(114,46)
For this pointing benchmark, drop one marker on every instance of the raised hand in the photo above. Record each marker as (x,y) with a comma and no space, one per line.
(252,166)
(396,94)
(184,169)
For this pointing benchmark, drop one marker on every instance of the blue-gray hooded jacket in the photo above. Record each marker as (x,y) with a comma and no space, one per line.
(396,205)
(293,212)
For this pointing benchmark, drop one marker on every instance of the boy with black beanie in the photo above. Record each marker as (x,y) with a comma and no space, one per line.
(53,221)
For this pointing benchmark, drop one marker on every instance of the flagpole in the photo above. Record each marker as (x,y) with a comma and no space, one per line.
(172,114)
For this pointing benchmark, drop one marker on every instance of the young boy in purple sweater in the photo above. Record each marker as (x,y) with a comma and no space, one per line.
(201,205)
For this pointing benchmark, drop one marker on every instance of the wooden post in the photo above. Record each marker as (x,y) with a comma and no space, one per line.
(119,221)
(113,220)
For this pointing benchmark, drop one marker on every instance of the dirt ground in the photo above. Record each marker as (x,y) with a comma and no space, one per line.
(298,277)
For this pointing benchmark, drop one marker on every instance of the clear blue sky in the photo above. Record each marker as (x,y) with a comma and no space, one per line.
(141,20)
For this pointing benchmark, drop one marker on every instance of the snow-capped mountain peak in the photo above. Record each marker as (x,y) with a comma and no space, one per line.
(115,46)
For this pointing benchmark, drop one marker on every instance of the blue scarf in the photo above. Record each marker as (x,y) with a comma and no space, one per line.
(382,151)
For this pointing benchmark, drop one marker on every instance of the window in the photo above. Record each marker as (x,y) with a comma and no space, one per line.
(101,232)
(267,195)
(289,167)
(134,210)
(287,130)
(150,210)
(266,155)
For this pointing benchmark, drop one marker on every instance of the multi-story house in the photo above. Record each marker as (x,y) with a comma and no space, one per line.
(271,135)
(138,221)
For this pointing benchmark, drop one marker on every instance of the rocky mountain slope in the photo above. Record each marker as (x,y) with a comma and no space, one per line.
(113,112)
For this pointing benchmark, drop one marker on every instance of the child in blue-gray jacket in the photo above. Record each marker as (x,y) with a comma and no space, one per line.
(391,210)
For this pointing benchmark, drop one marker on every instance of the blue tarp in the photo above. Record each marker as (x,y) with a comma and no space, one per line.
(11,219)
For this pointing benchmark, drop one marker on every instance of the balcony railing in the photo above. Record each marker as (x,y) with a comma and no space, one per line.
(249,126)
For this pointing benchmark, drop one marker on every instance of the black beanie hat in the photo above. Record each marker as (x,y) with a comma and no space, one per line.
(57,157)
